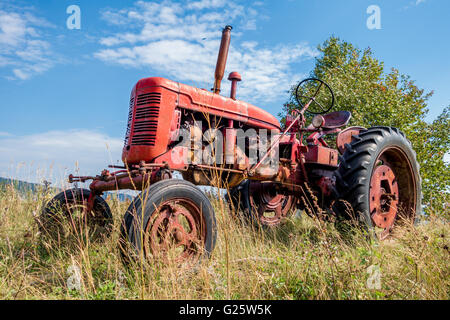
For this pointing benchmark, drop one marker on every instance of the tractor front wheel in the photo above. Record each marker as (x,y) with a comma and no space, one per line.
(173,220)
(67,213)
(378,181)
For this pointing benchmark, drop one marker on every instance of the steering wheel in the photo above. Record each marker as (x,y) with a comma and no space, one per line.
(316,92)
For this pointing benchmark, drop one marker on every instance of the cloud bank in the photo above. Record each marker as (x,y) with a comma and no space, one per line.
(181,41)
(23,52)
(53,155)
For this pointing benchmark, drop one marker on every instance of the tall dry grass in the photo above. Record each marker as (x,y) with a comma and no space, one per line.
(304,259)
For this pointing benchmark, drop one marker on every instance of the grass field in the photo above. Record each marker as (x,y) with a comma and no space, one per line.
(305,259)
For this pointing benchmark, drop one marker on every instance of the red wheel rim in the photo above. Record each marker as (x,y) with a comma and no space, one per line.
(383,197)
(176,230)
(392,190)
(270,206)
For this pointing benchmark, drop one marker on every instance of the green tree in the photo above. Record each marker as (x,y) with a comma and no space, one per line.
(379,98)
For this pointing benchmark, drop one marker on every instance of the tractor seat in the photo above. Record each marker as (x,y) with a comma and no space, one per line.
(336,119)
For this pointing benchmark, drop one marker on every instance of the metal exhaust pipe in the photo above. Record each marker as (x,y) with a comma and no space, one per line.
(222,58)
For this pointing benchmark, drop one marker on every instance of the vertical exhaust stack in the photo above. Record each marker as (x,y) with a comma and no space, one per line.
(222,58)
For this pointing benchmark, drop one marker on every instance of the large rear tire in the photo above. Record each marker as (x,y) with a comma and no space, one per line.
(171,221)
(378,177)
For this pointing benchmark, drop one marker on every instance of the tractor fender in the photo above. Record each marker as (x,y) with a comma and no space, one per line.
(346,137)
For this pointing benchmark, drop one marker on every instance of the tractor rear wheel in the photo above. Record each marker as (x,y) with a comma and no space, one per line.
(67,213)
(260,203)
(378,181)
(171,221)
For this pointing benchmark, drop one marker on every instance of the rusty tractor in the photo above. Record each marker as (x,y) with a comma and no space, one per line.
(371,172)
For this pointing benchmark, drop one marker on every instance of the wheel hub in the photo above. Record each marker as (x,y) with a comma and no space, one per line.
(179,236)
(176,229)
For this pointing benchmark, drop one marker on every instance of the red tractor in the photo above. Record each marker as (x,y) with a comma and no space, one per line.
(370,173)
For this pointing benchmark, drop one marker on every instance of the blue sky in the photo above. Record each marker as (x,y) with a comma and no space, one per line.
(64,93)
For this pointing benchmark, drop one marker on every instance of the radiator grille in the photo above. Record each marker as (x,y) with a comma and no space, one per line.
(146,119)
(130,118)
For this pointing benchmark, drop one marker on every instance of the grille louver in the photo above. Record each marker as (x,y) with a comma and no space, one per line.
(146,119)
(148,98)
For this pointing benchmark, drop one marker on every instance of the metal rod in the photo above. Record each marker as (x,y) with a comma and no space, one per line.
(203,166)
(116,167)
(300,115)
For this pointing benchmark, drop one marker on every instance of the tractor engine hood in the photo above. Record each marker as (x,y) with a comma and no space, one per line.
(201,100)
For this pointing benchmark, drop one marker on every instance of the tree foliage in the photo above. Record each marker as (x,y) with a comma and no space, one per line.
(375,97)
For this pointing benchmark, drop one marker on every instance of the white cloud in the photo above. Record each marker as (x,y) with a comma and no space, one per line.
(53,155)
(20,74)
(181,42)
(22,51)
(206,4)
(414,3)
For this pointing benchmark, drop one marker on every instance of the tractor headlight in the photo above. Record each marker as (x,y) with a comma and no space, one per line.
(318,121)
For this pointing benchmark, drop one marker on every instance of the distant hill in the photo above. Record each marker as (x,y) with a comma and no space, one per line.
(26,187)
(21,186)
